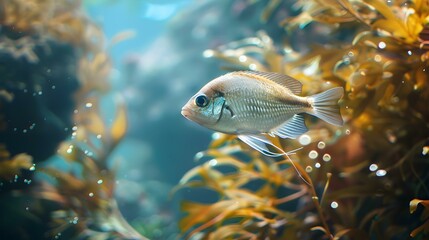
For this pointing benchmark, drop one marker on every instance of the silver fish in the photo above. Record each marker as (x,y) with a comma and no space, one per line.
(254,104)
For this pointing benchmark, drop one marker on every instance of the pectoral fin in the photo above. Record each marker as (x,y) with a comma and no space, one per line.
(260,142)
(292,128)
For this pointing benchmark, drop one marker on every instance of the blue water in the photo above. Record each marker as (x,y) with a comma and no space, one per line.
(160,144)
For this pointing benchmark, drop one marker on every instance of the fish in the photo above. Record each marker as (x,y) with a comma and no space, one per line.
(254,105)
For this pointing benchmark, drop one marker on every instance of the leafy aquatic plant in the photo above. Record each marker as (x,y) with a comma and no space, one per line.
(375,164)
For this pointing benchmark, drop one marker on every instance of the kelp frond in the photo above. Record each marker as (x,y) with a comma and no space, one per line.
(248,196)
(86,198)
(12,167)
(27,24)
(375,162)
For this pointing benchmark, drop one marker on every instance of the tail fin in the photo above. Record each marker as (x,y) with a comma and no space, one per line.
(325,106)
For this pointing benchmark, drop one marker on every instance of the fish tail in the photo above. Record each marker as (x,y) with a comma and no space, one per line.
(325,106)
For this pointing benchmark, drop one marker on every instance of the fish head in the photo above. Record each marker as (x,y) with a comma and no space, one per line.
(205,108)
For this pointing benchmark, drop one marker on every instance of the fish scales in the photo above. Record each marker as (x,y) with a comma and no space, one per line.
(262,104)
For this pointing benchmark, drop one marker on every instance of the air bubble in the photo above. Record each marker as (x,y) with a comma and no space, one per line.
(317,165)
(88,105)
(199,155)
(377,58)
(252,66)
(373,167)
(313,154)
(32,168)
(91,194)
(304,139)
(70,149)
(326,157)
(334,204)
(215,136)
(308,169)
(321,145)
(348,132)
(425,150)
(381,45)
(208,53)
(213,162)
(242,58)
(381,173)
(74,220)
(100,181)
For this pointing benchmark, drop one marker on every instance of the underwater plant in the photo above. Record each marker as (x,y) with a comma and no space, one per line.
(54,77)
(366,177)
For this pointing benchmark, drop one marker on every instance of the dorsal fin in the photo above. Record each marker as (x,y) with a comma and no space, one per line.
(289,82)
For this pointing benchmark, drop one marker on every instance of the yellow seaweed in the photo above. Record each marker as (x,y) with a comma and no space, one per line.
(371,162)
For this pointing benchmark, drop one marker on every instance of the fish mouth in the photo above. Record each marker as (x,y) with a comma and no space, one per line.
(186,113)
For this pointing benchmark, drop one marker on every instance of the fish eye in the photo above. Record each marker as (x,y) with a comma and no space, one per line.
(201,100)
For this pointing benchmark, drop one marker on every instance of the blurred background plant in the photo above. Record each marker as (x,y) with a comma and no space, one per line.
(364,176)
(55,74)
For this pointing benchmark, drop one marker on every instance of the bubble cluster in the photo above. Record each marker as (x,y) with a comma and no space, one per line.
(74,220)
(33,167)
(70,149)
